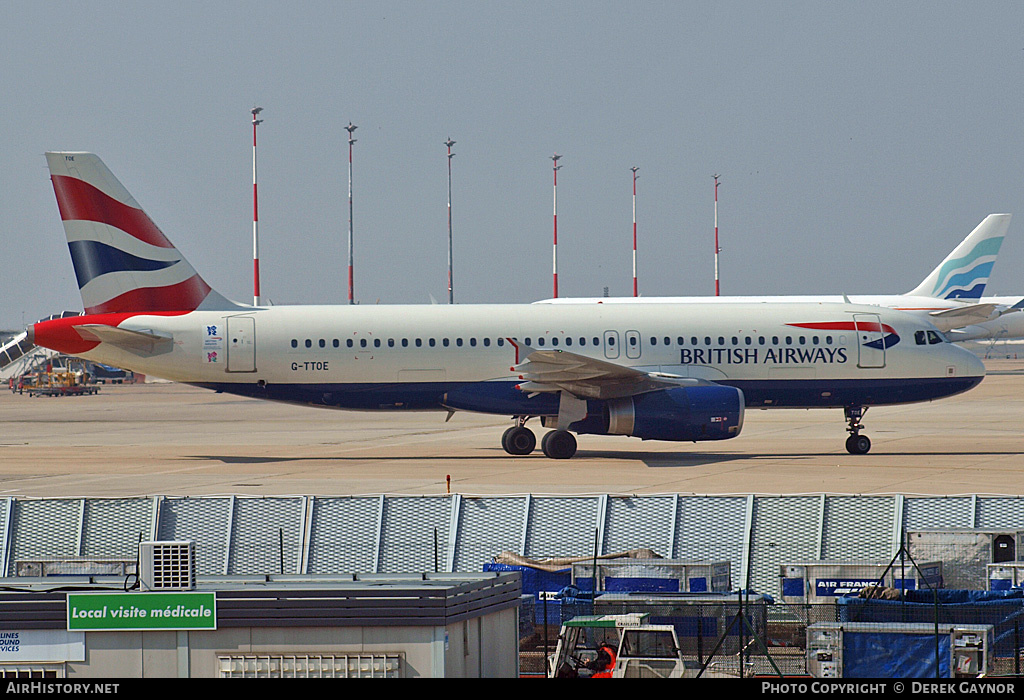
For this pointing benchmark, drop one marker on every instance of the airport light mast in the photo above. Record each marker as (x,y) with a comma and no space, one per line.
(717,249)
(554,254)
(350,128)
(451,295)
(635,290)
(256,299)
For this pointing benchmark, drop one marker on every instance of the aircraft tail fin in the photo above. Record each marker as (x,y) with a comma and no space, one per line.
(965,272)
(123,262)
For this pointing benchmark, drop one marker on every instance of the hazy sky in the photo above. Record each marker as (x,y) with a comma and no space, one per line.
(857,142)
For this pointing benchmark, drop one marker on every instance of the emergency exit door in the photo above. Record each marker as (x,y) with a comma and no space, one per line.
(241,344)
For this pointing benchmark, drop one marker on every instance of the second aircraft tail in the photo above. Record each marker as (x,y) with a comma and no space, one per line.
(965,272)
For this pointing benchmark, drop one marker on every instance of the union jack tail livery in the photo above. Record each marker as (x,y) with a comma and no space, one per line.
(123,262)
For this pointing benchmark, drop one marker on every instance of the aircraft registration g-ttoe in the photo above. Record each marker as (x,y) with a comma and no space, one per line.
(679,372)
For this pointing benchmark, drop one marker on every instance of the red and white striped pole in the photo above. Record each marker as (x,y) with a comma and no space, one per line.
(717,249)
(256,299)
(451,294)
(635,288)
(554,255)
(351,294)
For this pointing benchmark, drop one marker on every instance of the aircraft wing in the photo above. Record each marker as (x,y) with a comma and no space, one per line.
(586,377)
(136,342)
(966,315)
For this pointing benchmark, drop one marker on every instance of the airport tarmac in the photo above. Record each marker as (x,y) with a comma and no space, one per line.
(171,439)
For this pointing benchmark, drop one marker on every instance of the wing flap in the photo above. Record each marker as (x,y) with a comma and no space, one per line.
(547,371)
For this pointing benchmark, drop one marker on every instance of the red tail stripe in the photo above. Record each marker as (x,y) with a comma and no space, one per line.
(176,298)
(80,201)
(846,326)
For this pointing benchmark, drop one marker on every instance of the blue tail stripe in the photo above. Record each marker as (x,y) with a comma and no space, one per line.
(981,272)
(93,259)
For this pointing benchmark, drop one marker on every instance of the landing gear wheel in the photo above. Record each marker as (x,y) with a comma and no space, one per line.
(858,444)
(558,444)
(518,440)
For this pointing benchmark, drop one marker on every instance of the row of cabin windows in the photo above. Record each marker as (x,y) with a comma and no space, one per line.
(391,342)
(567,341)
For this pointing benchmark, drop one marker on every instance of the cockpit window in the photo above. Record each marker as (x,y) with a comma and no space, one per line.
(934,338)
(920,337)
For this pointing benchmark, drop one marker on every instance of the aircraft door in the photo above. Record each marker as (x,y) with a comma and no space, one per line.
(633,345)
(611,345)
(241,344)
(870,341)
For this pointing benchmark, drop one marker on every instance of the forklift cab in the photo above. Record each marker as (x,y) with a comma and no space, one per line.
(643,650)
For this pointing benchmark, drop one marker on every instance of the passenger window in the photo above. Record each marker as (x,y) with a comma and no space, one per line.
(721,340)
(362,342)
(611,340)
(554,341)
(432,342)
(472,342)
(309,343)
(707,340)
(419,342)
(348,342)
(761,340)
(789,340)
(487,342)
(568,340)
(527,341)
(458,342)
(323,343)
(295,343)
(814,340)
(775,340)
(444,342)
(376,342)
(680,341)
(596,342)
(501,342)
(735,340)
(336,342)
(668,341)
(828,340)
(803,340)
(405,342)
(540,342)
(693,340)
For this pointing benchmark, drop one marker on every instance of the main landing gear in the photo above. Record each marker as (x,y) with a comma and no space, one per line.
(856,444)
(520,440)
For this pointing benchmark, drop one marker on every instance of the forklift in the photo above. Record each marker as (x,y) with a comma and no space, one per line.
(643,650)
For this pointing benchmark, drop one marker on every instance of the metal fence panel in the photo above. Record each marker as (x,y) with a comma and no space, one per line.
(858,527)
(642,522)
(486,528)
(266,536)
(785,530)
(938,512)
(44,529)
(561,526)
(114,526)
(343,535)
(205,521)
(711,528)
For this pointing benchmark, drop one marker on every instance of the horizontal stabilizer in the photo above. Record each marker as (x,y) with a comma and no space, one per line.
(967,315)
(136,342)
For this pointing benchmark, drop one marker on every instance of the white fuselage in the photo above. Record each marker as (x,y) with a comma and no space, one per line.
(364,357)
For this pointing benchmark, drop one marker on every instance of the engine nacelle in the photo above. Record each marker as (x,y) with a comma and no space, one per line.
(713,412)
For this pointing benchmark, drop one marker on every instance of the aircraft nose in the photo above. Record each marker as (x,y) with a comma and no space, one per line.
(971,365)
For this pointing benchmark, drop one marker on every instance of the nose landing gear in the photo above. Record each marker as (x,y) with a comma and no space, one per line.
(856,444)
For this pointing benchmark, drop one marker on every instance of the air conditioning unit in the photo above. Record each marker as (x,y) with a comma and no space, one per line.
(167,566)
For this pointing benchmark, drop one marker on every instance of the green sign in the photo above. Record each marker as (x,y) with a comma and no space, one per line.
(142,611)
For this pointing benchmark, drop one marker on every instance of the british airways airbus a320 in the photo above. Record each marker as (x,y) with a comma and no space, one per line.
(680,372)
